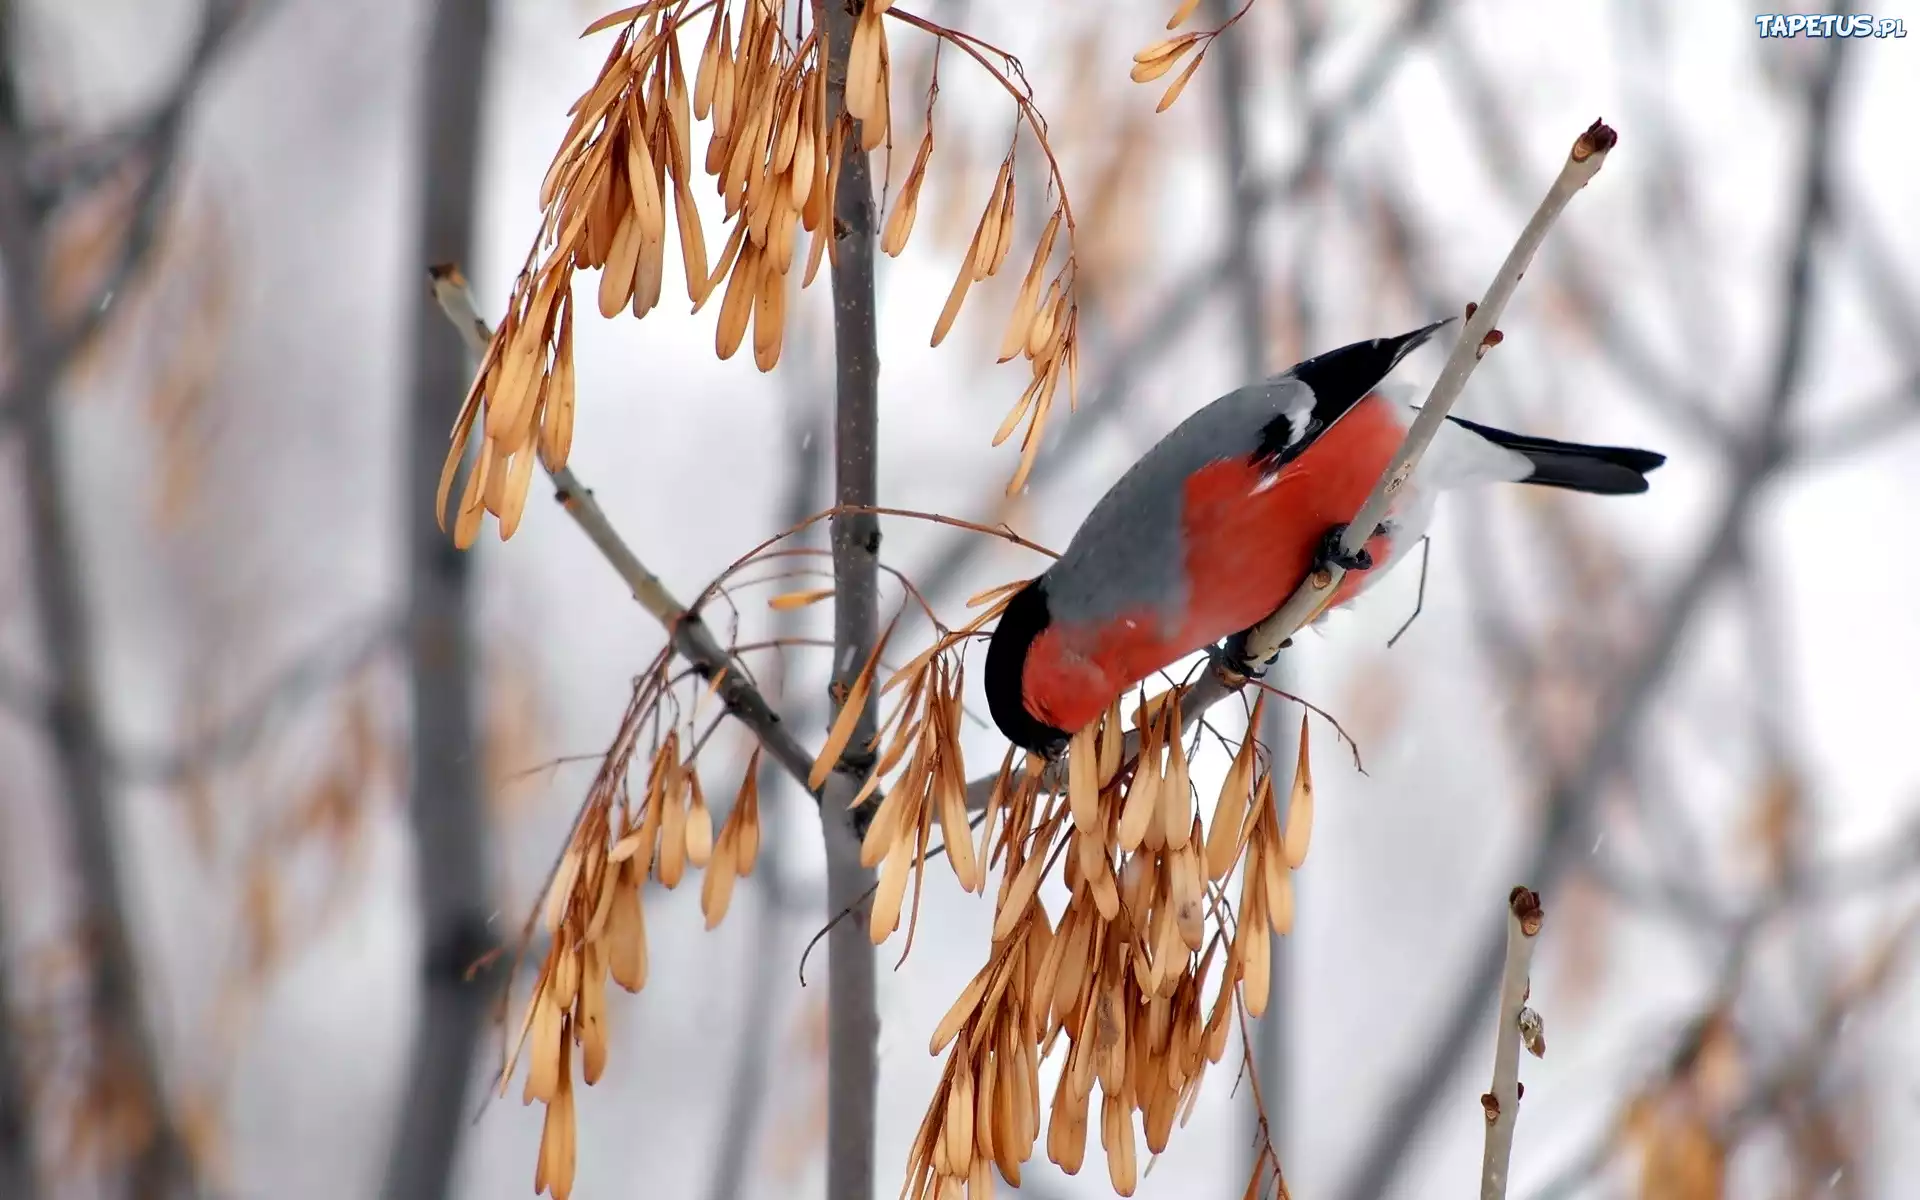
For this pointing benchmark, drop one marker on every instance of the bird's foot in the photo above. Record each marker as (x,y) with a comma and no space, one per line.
(1231,657)
(1331,555)
(1259,671)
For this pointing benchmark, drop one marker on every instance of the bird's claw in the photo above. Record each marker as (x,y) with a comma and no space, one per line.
(1259,670)
(1231,656)
(1331,555)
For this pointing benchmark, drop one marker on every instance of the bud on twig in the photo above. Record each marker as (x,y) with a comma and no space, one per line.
(1533,1033)
(1598,139)
(1525,904)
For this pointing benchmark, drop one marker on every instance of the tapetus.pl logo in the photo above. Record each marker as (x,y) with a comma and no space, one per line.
(1857,25)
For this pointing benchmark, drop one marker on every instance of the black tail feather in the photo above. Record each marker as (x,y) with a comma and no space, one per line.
(1601,470)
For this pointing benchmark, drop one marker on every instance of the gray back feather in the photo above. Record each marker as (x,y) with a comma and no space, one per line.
(1130,550)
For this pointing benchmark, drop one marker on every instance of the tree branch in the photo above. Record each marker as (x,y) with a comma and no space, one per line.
(691,638)
(1502,1103)
(853,1024)
(1638,365)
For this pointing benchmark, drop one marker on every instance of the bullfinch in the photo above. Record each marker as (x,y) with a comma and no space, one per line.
(1211,530)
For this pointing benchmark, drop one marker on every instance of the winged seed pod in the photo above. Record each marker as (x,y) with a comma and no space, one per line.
(1300,806)
(1225,833)
(1156,60)
(893,239)
(1179,84)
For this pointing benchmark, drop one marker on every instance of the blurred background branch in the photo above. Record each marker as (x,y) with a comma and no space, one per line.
(127,1069)
(451,861)
(1762,452)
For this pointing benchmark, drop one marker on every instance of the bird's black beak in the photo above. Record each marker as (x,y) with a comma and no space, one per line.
(1398,348)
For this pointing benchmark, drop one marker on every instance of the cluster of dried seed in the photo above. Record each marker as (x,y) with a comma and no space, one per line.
(605,196)
(922,731)
(774,153)
(1156,60)
(1140,973)
(594,918)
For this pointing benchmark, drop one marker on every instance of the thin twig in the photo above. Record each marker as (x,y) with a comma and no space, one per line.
(1502,1103)
(691,638)
(1478,333)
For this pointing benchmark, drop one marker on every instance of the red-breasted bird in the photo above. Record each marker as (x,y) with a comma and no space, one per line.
(1217,524)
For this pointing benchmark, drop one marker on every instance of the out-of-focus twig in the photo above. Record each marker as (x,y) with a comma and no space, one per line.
(446,795)
(1626,352)
(1795,1073)
(1890,416)
(19,1176)
(155,147)
(1569,800)
(1502,1102)
(338,656)
(691,638)
(809,432)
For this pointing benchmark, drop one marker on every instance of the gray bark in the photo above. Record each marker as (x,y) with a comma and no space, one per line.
(853,1024)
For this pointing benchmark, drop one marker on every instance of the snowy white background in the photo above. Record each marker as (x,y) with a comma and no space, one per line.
(304,150)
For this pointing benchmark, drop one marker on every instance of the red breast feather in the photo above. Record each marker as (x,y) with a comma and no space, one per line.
(1249,539)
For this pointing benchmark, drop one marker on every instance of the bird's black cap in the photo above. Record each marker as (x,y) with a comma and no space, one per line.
(1025,618)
